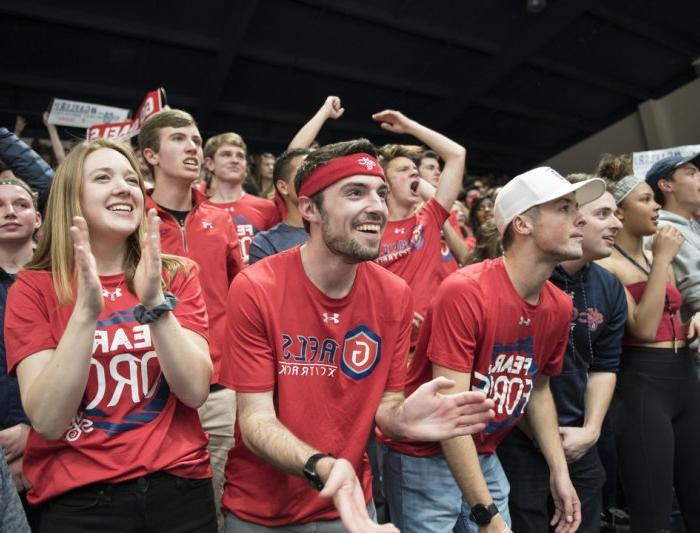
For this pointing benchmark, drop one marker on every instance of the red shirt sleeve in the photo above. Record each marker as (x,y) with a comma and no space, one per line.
(248,364)
(27,325)
(433,214)
(456,324)
(397,374)
(191,311)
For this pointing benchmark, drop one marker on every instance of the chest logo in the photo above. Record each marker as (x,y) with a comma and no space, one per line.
(362,350)
(524,321)
(331,317)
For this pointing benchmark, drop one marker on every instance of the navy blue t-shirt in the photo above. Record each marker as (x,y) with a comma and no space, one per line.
(275,240)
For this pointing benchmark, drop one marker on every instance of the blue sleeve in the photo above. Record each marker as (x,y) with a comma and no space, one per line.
(26,164)
(608,346)
(260,248)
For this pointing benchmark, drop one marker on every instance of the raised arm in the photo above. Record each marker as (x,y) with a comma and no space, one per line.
(453,154)
(331,108)
(645,316)
(26,164)
(58,150)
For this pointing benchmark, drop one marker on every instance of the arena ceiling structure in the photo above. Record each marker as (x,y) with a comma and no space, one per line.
(515,81)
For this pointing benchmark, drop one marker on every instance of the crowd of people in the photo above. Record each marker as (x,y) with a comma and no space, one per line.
(343,337)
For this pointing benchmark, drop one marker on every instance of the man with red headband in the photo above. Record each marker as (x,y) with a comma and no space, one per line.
(317,343)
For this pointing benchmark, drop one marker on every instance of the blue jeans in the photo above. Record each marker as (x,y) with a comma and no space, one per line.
(423,496)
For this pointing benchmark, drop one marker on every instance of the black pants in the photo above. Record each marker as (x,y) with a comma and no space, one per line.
(656,417)
(150,504)
(530,504)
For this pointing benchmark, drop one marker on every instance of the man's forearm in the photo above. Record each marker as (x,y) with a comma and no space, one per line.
(269,439)
(599,392)
(541,415)
(463,460)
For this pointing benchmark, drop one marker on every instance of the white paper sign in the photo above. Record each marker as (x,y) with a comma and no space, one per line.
(83,114)
(643,161)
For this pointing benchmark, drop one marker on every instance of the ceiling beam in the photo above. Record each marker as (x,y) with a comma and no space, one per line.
(235,29)
(132,28)
(388,19)
(524,42)
(342,72)
(682,42)
(576,74)
(542,115)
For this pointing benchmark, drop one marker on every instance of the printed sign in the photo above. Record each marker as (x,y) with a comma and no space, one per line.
(83,114)
(151,104)
(643,161)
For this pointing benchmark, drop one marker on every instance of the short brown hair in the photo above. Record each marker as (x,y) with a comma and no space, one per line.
(149,136)
(216,142)
(325,154)
(389,152)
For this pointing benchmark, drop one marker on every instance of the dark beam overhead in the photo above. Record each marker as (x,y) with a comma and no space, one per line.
(234,31)
(678,41)
(133,28)
(335,70)
(381,17)
(528,40)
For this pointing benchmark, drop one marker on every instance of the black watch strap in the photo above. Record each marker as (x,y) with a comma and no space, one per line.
(310,470)
(146,316)
(481,514)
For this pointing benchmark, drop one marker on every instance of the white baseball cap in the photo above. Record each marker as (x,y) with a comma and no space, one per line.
(539,186)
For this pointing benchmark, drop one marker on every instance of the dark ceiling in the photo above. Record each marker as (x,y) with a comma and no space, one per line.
(514,87)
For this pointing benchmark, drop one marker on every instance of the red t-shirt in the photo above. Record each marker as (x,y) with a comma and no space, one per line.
(328,361)
(250,215)
(479,324)
(411,249)
(128,423)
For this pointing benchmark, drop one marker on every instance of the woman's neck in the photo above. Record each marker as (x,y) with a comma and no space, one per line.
(630,243)
(14,256)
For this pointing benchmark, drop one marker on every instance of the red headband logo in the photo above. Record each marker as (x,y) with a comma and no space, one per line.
(366,162)
(337,169)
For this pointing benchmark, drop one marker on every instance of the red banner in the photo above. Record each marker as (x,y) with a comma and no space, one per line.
(121,131)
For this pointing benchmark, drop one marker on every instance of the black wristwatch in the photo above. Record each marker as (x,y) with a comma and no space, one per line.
(310,470)
(481,515)
(146,316)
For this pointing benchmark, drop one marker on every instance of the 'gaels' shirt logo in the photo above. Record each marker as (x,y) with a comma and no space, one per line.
(508,381)
(307,356)
(362,350)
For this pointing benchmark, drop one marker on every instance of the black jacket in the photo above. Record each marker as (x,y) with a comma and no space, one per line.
(595,342)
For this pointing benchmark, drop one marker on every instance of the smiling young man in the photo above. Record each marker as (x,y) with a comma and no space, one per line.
(582,392)
(317,343)
(172,146)
(500,327)
(226,158)
(411,246)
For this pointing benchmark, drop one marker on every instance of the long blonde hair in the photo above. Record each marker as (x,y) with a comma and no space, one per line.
(55,250)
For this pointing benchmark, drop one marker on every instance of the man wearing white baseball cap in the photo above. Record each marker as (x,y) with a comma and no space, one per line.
(501,327)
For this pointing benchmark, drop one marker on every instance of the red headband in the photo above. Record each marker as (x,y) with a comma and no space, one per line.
(336,169)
